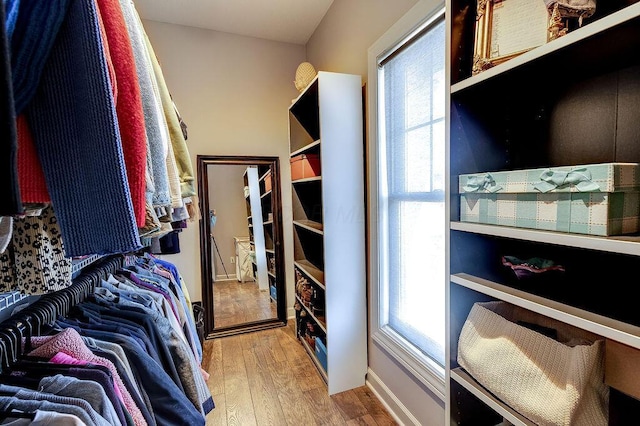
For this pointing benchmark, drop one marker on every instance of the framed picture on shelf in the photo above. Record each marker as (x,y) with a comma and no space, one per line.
(506,29)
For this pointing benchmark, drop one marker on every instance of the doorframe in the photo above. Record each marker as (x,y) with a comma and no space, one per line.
(210,331)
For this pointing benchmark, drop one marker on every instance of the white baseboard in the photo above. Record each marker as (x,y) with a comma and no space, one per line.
(232,277)
(394,406)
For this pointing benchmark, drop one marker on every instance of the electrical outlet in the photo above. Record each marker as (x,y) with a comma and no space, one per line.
(233,259)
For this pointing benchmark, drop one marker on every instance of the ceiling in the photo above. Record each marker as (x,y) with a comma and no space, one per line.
(289,21)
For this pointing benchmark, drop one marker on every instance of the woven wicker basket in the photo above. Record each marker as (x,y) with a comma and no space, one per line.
(304,74)
(551,382)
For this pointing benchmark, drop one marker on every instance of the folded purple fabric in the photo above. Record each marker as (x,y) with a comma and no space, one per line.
(528,268)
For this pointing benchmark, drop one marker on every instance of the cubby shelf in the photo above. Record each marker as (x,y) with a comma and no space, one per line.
(307,180)
(313,145)
(466,381)
(326,120)
(617,244)
(586,320)
(261,232)
(322,324)
(314,358)
(622,26)
(525,113)
(316,275)
(310,225)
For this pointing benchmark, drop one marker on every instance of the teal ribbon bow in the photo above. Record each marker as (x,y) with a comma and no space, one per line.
(580,178)
(485,182)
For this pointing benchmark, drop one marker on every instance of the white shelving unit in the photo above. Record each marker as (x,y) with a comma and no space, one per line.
(257,236)
(571,101)
(328,217)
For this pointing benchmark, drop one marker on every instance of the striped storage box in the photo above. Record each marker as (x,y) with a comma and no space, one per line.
(596,199)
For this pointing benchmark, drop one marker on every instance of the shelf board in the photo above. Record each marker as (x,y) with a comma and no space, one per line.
(268,222)
(10,299)
(270,251)
(264,175)
(593,28)
(603,326)
(316,275)
(617,244)
(305,148)
(314,358)
(306,180)
(469,383)
(271,274)
(310,225)
(304,91)
(320,323)
(265,194)
(79,263)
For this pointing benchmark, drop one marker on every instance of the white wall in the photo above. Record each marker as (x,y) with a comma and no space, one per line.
(340,44)
(226,197)
(233,93)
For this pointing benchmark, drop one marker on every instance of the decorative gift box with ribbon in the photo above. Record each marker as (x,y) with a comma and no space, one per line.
(596,199)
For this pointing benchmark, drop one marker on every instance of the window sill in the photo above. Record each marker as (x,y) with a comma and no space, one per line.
(425,370)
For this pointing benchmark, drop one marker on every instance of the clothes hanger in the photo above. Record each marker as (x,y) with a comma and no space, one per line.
(15,414)
(48,308)
(4,357)
(25,319)
(81,292)
(15,327)
(9,341)
(48,311)
(43,312)
(59,303)
(59,297)
(40,318)
(14,330)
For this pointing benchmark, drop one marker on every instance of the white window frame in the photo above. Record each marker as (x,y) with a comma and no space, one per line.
(423,368)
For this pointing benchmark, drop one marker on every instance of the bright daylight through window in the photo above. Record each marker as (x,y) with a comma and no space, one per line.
(411,171)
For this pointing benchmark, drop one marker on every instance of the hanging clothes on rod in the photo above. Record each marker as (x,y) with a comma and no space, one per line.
(90,122)
(73,121)
(133,344)
(9,184)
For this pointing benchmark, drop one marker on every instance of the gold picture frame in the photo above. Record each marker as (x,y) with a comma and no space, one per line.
(508,28)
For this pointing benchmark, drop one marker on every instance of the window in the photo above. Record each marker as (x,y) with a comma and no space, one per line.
(411,248)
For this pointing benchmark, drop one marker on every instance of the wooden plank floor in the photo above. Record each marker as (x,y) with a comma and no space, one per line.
(237,303)
(267,378)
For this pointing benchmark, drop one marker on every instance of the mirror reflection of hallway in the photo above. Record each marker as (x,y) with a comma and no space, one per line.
(242,256)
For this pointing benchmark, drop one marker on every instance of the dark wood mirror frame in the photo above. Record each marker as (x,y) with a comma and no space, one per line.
(210,331)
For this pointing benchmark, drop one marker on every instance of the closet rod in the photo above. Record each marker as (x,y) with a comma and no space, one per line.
(48,307)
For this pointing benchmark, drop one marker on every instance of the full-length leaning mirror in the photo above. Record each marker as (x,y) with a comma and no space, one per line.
(241,244)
